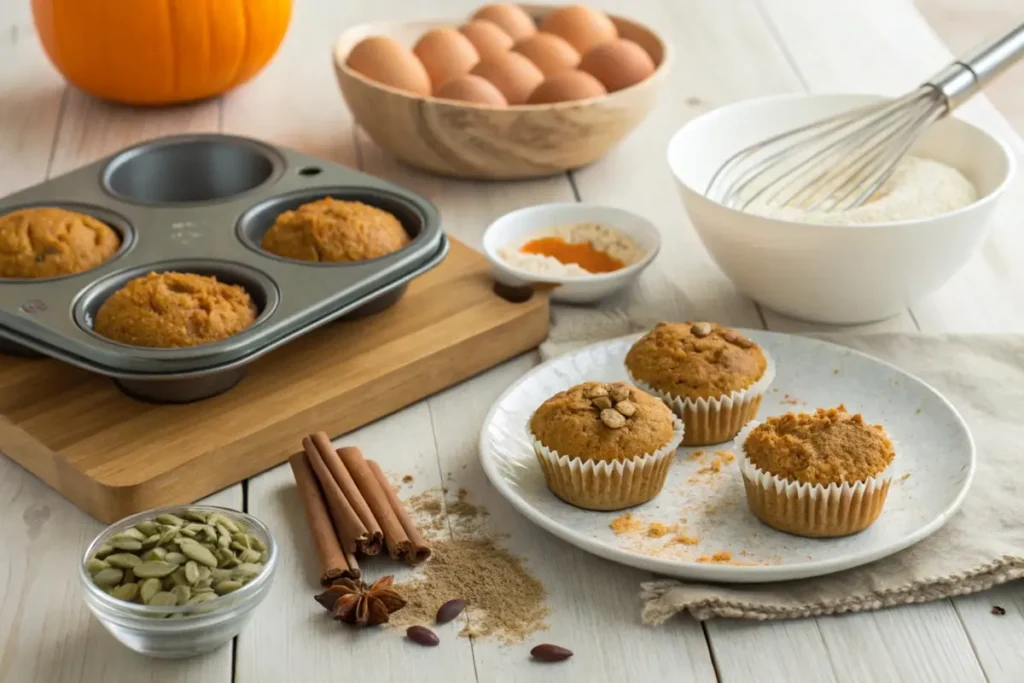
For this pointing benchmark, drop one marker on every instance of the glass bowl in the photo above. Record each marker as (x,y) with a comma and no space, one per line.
(184,630)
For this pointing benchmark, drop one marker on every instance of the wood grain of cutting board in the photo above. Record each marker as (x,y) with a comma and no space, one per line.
(113,455)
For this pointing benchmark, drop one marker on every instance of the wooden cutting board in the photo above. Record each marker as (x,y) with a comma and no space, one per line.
(112,455)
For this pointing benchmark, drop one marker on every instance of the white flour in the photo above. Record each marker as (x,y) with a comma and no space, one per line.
(918,188)
(601,237)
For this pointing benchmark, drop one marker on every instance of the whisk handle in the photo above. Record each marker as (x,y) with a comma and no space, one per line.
(965,76)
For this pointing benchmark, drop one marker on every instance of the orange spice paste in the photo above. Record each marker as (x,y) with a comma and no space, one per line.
(580,253)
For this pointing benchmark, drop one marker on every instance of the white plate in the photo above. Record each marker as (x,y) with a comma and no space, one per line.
(933,446)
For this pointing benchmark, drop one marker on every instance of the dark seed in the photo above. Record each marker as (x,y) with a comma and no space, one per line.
(450,610)
(550,653)
(998,611)
(422,636)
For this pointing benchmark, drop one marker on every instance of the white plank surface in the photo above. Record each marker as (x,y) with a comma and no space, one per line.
(725,52)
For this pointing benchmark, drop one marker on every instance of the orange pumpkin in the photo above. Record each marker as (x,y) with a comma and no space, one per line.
(153,52)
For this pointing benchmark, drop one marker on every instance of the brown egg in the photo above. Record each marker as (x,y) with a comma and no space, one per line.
(618,64)
(549,52)
(512,19)
(445,54)
(384,60)
(470,88)
(487,37)
(513,74)
(583,27)
(565,87)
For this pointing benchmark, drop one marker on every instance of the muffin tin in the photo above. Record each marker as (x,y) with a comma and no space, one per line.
(201,204)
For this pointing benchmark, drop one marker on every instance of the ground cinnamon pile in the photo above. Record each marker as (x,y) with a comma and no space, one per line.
(504,599)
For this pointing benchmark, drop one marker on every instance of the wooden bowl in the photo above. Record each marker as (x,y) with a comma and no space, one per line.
(465,140)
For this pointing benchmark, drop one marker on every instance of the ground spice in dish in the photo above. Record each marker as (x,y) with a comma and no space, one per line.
(625,523)
(504,600)
(659,530)
(580,253)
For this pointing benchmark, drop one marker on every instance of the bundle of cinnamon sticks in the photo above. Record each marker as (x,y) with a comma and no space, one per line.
(351,509)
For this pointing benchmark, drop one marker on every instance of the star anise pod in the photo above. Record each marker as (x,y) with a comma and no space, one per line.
(355,603)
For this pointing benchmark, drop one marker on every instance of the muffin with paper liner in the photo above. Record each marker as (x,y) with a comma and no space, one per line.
(712,377)
(605,446)
(821,474)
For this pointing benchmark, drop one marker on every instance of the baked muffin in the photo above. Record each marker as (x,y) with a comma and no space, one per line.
(332,230)
(49,242)
(605,446)
(170,310)
(821,475)
(710,376)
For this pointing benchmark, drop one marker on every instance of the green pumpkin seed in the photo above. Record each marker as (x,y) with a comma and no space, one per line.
(148,589)
(126,543)
(188,532)
(175,558)
(227,523)
(205,596)
(126,592)
(222,530)
(224,542)
(192,572)
(203,584)
(103,551)
(131,532)
(155,569)
(156,553)
(123,560)
(151,542)
(92,565)
(200,554)
(168,536)
(204,572)
(170,520)
(220,574)
(163,599)
(225,587)
(242,541)
(129,576)
(249,556)
(256,544)
(148,528)
(264,556)
(246,571)
(225,558)
(178,577)
(108,578)
(196,516)
(183,593)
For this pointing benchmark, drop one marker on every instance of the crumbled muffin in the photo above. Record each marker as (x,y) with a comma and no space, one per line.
(696,360)
(608,422)
(169,310)
(829,447)
(332,230)
(49,242)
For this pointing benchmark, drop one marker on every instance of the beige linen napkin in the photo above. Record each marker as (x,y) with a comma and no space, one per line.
(980,547)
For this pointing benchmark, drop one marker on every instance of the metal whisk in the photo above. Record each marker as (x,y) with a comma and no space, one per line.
(837,163)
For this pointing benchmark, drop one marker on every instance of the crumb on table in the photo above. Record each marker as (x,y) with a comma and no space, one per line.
(719,557)
(684,539)
(625,523)
(658,530)
(407,479)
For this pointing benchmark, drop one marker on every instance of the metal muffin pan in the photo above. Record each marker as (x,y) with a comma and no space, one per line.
(201,203)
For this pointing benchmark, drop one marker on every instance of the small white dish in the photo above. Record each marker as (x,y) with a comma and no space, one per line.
(517,226)
(933,447)
(838,274)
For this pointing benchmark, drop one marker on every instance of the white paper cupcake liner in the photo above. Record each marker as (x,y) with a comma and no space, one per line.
(715,420)
(601,485)
(811,509)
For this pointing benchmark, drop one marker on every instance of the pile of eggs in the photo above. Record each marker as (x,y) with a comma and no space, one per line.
(501,57)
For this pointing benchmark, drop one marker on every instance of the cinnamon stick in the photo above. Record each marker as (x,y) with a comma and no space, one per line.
(420,549)
(351,491)
(351,530)
(332,559)
(395,537)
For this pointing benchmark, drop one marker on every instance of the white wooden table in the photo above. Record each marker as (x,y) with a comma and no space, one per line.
(727,50)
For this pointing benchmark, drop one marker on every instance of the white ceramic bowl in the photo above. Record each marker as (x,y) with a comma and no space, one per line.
(515,227)
(196,629)
(841,274)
